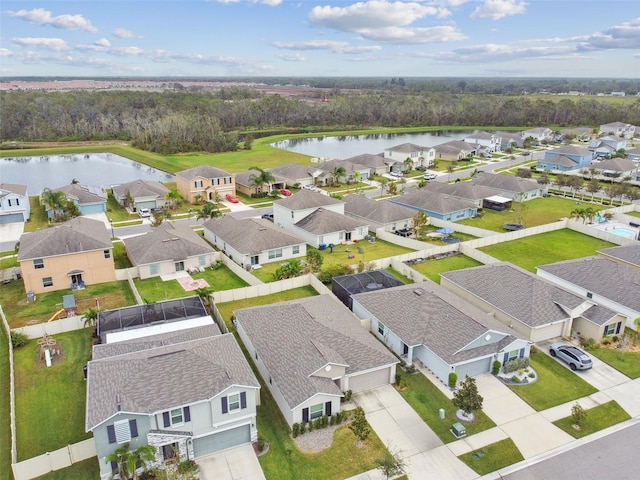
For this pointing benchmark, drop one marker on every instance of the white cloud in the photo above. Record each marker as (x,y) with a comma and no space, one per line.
(5,52)
(329,45)
(103,42)
(625,36)
(502,52)
(414,35)
(55,44)
(292,57)
(126,51)
(124,33)
(41,16)
(497,9)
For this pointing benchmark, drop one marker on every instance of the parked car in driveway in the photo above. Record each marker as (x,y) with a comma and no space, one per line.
(144,212)
(573,356)
(310,186)
(395,174)
(285,192)
(231,198)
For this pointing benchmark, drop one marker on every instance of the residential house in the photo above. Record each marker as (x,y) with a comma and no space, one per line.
(468,191)
(14,203)
(246,185)
(167,249)
(565,158)
(511,140)
(428,324)
(253,242)
(70,255)
(378,164)
(205,182)
(378,214)
(456,150)
(616,168)
(87,198)
(539,135)
(309,351)
(628,255)
(141,194)
(420,156)
(353,172)
(582,134)
(188,394)
(491,142)
(607,145)
(602,280)
(516,188)
(295,174)
(633,154)
(318,219)
(619,129)
(530,305)
(437,205)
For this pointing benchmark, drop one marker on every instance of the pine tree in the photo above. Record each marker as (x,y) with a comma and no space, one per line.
(359,426)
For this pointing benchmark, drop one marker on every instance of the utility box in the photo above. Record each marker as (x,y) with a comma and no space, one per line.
(441,413)
(458,430)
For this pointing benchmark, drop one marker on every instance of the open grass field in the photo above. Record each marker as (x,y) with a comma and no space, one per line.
(531,252)
(19,313)
(493,457)
(433,268)
(425,398)
(556,385)
(85,470)
(598,418)
(5,423)
(625,362)
(51,400)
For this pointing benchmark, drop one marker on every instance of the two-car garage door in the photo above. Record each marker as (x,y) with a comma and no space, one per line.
(472,369)
(221,441)
(368,380)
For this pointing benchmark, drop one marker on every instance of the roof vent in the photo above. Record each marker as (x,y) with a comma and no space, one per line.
(419,292)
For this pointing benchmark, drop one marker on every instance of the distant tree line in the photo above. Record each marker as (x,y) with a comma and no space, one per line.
(186,120)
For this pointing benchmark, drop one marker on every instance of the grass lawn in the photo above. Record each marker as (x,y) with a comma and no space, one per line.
(398,275)
(598,418)
(87,469)
(50,402)
(9,262)
(634,214)
(556,385)
(536,212)
(226,309)
(433,268)
(531,252)
(5,423)
(120,258)
(625,362)
(20,313)
(154,289)
(495,456)
(427,400)
(38,218)
(115,212)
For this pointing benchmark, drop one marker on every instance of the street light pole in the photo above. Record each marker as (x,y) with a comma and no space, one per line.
(113,235)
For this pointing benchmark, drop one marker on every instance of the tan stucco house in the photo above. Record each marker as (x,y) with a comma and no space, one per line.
(205,181)
(68,256)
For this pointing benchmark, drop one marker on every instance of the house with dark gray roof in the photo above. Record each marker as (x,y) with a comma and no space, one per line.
(469,191)
(294,173)
(437,205)
(565,158)
(530,305)
(69,255)
(167,249)
(431,325)
(141,194)
(605,281)
(508,186)
(378,164)
(456,150)
(626,254)
(378,214)
(309,351)
(87,198)
(245,183)
(617,168)
(187,394)
(205,182)
(253,242)
(353,172)
(14,203)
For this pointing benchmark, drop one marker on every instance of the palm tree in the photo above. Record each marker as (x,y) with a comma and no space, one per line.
(119,456)
(337,173)
(128,461)
(408,164)
(174,198)
(392,188)
(55,200)
(205,295)
(263,177)
(210,210)
(383,185)
(90,318)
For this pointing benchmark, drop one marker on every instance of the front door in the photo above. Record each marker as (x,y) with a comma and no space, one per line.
(254,260)
(179,266)
(347,236)
(76,281)
(169,452)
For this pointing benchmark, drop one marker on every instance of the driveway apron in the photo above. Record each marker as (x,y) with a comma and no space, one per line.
(239,463)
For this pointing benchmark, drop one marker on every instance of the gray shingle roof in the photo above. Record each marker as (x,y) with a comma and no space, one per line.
(322,222)
(252,235)
(348,166)
(608,278)
(205,171)
(380,212)
(464,190)
(156,379)
(297,338)
(165,242)
(569,150)
(77,235)
(407,148)
(432,201)
(616,164)
(305,199)
(626,253)
(141,188)
(427,314)
(507,183)
(295,171)
(483,135)
(14,188)
(369,160)
(84,193)
(518,293)
(561,160)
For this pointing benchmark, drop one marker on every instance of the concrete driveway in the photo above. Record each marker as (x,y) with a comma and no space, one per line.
(239,463)
(9,235)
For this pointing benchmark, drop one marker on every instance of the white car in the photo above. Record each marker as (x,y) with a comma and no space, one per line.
(309,187)
(395,174)
(429,176)
(144,212)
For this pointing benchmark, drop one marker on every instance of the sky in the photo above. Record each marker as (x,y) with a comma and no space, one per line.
(312,38)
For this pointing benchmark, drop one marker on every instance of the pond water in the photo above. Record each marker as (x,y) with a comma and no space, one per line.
(96,169)
(347,146)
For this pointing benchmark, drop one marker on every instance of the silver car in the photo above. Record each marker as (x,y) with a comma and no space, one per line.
(573,356)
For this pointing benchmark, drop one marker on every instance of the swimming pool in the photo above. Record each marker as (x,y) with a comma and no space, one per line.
(624,232)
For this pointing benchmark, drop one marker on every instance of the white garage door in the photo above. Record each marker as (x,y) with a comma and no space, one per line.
(474,368)
(366,381)
(221,441)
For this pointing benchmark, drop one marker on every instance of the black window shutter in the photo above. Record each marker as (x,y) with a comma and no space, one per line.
(225,409)
(111,432)
(618,327)
(327,409)
(243,399)
(167,420)
(133,428)
(305,414)
(114,466)
(187,414)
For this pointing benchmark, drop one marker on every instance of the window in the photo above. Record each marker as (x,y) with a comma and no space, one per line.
(197,184)
(234,402)
(122,431)
(107,254)
(154,268)
(276,253)
(202,260)
(296,249)
(612,329)
(315,411)
(381,328)
(341,236)
(47,282)
(176,416)
(38,263)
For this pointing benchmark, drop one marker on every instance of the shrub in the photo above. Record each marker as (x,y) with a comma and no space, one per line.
(295,430)
(606,341)
(303,428)
(347,395)
(453,379)
(589,344)
(516,364)
(532,375)
(496,367)
(259,195)
(331,271)
(515,379)
(615,339)
(261,443)
(332,420)
(398,378)
(578,413)
(188,466)
(325,421)
(18,339)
